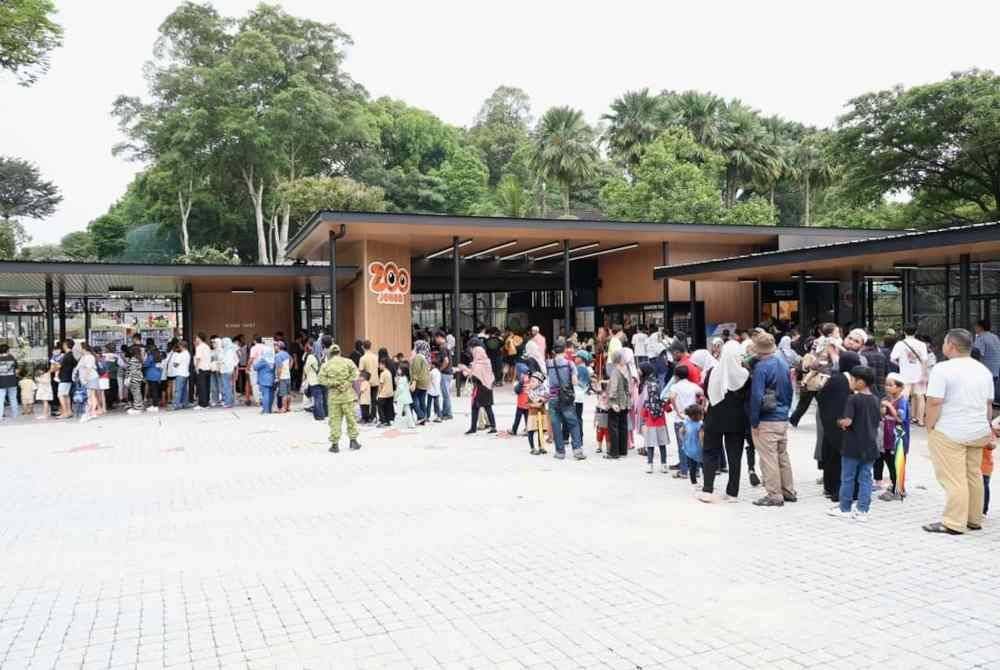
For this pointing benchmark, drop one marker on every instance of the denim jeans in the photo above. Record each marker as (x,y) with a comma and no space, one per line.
(446,382)
(434,403)
(227,388)
(318,393)
(683,461)
(855,470)
(266,398)
(420,404)
(565,416)
(180,392)
(10,393)
(215,393)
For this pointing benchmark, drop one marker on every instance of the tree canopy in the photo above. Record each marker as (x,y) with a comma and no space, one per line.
(27,37)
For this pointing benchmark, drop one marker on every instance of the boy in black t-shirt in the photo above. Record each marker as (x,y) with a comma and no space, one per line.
(860,421)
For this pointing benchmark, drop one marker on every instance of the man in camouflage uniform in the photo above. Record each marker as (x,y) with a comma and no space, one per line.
(338,375)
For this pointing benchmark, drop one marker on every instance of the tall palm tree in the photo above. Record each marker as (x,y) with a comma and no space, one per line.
(564,150)
(779,134)
(812,167)
(634,122)
(744,143)
(701,113)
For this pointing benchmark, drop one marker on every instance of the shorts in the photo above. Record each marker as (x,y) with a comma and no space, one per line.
(655,436)
(65,388)
(94,384)
(104,383)
(283,387)
(602,433)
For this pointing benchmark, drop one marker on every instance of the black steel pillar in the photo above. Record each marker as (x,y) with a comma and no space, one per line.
(803,307)
(50,324)
(870,304)
(947,297)
(333,285)
(964,313)
(86,319)
(456,293)
(187,314)
(309,307)
(665,260)
(62,311)
(857,306)
(567,292)
(758,301)
(694,336)
(907,296)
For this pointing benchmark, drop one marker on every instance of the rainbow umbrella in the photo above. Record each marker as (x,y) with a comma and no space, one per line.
(900,457)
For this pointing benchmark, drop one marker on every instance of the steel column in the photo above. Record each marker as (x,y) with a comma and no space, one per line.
(947,297)
(665,260)
(50,324)
(803,307)
(870,304)
(758,301)
(857,307)
(187,310)
(62,310)
(964,313)
(693,336)
(309,306)
(86,319)
(907,296)
(333,237)
(456,292)
(567,292)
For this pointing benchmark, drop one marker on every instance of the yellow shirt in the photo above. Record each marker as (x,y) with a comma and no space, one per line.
(614,344)
(369,364)
(384,384)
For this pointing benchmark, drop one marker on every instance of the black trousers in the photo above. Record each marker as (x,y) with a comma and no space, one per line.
(489,415)
(366,413)
(203,382)
(715,443)
(518,415)
(617,434)
(878,469)
(374,404)
(805,399)
(386,410)
(751,452)
(154,393)
(831,462)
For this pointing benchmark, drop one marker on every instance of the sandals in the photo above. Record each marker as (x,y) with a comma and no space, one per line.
(939,527)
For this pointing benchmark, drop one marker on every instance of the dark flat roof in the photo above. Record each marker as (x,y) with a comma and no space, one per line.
(875,254)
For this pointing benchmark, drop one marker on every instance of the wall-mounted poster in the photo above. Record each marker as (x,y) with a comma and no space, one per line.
(389,282)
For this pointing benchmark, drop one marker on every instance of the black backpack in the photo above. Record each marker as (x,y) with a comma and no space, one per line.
(567,396)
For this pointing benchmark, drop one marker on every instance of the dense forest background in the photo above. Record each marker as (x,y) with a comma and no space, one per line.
(251,124)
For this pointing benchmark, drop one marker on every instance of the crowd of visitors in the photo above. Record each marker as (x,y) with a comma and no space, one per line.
(698,414)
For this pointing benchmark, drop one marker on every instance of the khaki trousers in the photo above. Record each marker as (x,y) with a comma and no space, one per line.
(771,441)
(958,468)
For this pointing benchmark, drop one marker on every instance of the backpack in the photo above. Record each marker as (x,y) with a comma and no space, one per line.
(567,394)
(653,404)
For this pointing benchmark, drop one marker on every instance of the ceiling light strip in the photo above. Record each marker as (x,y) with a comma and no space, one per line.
(602,252)
(582,247)
(524,252)
(447,250)
(490,250)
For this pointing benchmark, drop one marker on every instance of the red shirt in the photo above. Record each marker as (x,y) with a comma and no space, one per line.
(694,372)
(650,421)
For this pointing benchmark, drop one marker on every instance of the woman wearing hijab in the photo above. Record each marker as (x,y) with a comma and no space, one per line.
(481,374)
(831,399)
(726,422)
(619,403)
(420,380)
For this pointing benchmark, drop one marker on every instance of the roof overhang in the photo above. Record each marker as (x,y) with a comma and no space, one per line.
(883,256)
(428,233)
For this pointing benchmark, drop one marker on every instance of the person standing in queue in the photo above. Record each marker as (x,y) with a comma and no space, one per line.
(338,375)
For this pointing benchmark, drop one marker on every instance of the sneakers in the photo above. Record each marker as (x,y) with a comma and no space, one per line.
(706,497)
(133,411)
(198,408)
(153,408)
(754,479)
(535,452)
(560,455)
(836,512)
(889,496)
(85,418)
(355,445)
(790,498)
(861,517)
(664,469)
(730,499)
(579,455)
(649,468)
(768,501)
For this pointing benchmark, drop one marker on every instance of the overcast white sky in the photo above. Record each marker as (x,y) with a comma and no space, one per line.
(802,60)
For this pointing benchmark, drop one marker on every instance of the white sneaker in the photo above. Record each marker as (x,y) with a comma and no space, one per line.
(706,497)
(153,408)
(835,512)
(665,469)
(649,468)
(729,499)
(198,408)
(85,418)
(861,516)
(132,411)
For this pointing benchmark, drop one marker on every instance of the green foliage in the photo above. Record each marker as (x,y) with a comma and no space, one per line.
(107,233)
(12,238)
(42,252)
(501,129)
(464,178)
(308,195)
(78,246)
(208,256)
(565,150)
(512,199)
(634,123)
(27,36)
(150,243)
(677,181)
(940,140)
(23,194)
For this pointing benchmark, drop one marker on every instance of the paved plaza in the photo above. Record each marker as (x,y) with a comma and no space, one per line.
(229,539)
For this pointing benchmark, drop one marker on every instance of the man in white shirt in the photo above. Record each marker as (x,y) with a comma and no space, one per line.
(203,369)
(639,344)
(959,409)
(910,354)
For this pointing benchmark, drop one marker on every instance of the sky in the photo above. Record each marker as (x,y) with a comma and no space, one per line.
(802,60)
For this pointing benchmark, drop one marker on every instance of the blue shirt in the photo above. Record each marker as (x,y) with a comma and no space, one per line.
(770,373)
(152,369)
(989,346)
(560,371)
(265,372)
(282,359)
(692,439)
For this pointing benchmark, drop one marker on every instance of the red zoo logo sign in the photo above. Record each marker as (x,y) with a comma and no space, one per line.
(389,282)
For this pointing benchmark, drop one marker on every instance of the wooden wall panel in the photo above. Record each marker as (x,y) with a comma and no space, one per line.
(628,278)
(387,325)
(227,314)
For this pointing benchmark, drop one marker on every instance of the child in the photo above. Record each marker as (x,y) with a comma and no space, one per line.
(601,420)
(538,397)
(987,466)
(682,393)
(482,398)
(43,388)
(27,388)
(654,418)
(692,434)
(895,435)
(365,396)
(402,397)
(434,394)
(582,384)
(859,449)
(386,413)
(521,391)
